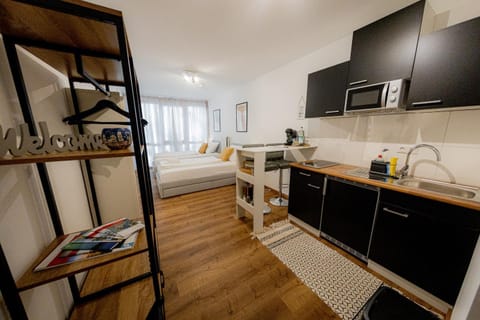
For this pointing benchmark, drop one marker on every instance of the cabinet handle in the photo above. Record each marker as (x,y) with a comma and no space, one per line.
(403,215)
(424,103)
(332,111)
(314,186)
(305,174)
(357,82)
(384,96)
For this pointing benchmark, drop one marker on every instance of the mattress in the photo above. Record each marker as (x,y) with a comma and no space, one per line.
(193,174)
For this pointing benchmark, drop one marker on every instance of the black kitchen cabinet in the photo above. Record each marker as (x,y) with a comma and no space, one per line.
(326,91)
(385,50)
(347,215)
(305,196)
(426,242)
(446,67)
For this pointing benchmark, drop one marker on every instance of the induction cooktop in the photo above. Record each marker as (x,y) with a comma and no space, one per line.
(318,163)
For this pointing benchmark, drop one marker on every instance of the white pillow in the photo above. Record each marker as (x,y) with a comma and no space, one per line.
(212,147)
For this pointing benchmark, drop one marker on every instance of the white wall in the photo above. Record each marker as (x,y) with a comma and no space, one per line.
(275,99)
(114,178)
(24,221)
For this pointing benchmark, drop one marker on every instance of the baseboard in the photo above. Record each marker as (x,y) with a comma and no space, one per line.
(410,287)
(303,225)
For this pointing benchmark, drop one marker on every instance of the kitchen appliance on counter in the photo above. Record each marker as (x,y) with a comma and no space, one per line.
(291,136)
(317,164)
(390,95)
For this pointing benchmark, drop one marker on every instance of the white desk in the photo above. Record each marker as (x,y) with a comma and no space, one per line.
(258,154)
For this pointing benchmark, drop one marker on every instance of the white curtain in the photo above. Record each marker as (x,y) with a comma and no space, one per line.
(174,125)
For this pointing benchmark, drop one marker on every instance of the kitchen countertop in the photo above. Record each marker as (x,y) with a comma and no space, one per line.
(340,172)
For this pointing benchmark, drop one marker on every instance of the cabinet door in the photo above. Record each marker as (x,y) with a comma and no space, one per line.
(446,68)
(326,91)
(385,50)
(348,212)
(426,242)
(305,196)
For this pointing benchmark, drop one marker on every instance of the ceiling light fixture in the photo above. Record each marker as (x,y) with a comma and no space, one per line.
(192,78)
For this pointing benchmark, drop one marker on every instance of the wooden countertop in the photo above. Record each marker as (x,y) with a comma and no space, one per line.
(339,171)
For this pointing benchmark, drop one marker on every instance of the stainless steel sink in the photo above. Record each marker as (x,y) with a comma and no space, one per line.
(448,189)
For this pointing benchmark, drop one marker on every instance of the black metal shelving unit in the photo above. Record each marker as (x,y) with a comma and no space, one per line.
(80,18)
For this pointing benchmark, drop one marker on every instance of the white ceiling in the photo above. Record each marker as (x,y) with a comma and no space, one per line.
(229,42)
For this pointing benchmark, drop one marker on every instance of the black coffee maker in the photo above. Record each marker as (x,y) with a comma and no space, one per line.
(291,136)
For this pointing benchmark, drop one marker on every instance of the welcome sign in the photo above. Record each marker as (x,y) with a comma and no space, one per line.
(46,143)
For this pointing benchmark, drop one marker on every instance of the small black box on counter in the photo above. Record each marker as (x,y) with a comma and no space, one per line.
(379,167)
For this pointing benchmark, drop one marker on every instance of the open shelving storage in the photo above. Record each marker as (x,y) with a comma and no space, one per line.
(87,43)
(256,177)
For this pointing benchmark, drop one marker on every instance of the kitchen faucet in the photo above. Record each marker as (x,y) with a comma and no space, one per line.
(404,171)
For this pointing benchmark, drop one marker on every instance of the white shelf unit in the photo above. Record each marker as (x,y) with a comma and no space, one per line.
(257,178)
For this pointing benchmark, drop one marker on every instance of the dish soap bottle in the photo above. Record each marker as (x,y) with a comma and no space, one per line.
(301,137)
(393,167)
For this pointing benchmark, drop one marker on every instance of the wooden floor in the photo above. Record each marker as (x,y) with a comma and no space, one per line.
(213,268)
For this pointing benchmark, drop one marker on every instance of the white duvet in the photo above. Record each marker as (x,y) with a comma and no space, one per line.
(170,163)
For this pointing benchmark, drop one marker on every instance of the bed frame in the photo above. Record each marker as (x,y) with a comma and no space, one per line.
(175,188)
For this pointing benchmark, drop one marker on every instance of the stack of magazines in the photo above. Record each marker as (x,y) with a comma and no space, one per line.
(114,236)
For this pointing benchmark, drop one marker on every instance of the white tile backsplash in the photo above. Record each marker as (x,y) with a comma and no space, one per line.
(464,129)
(329,149)
(463,162)
(358,140)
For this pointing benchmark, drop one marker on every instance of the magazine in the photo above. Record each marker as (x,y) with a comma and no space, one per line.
(105,237)
(117,230)
(69,250)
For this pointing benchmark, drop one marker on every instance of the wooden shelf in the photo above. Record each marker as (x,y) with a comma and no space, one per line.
(66,156)
(245,176)
(63,30)
(33,279)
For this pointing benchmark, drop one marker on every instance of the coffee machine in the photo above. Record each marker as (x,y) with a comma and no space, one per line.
(291,136)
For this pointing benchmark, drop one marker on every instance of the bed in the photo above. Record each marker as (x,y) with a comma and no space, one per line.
(190,173)
(211,148)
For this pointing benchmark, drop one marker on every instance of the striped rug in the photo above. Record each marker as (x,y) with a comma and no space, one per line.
(341,284)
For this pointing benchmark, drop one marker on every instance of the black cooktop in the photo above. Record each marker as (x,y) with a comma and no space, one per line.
(318,163)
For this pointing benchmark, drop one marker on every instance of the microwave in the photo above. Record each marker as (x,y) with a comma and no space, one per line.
(388,95)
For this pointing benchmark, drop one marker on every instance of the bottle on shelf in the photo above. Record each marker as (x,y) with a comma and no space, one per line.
(301,136)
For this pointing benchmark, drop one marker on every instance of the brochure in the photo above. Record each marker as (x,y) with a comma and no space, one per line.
(88,244)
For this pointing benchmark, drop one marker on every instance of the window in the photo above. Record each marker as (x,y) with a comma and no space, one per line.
(174,125)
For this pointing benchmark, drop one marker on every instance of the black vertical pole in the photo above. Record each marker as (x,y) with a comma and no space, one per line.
(137,140)
(9,291)
(146,164)
(22,94)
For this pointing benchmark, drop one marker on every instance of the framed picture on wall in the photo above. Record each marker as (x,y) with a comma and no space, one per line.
(242,117)
(217,127)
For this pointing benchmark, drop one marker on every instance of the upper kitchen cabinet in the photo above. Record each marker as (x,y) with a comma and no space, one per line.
(326,91)
(446,67)
(385,50)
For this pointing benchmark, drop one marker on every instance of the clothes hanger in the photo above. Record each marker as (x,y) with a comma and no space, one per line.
(99,106)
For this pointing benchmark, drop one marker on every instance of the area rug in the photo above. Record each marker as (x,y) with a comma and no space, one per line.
(341,284)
